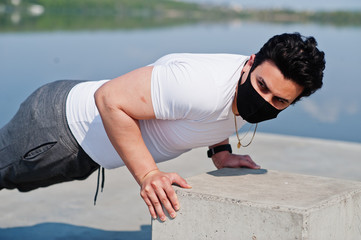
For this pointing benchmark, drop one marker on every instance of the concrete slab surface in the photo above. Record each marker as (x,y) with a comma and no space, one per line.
(243,203)
(66,211)
(293,192)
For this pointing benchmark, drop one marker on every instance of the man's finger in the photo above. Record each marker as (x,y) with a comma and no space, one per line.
(246,161)
(176,179)
(157,205)
(172,196)
(145,193)
(165,201)
(150,207)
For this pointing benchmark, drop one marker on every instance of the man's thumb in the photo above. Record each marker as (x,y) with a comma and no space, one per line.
(180,181)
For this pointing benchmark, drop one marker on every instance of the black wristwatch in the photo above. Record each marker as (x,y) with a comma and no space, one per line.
(220,148)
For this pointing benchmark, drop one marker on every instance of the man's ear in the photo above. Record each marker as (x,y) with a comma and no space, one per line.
(251,60)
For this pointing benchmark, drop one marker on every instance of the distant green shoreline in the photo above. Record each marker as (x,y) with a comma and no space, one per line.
(55,15)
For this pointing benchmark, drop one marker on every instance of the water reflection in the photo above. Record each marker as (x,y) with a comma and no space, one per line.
(16,10)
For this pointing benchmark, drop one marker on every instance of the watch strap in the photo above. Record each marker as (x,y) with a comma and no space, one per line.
(220,148)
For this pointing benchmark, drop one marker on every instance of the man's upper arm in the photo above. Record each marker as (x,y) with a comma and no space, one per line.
(130,93)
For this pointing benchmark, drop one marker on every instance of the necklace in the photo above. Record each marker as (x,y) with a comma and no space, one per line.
(239,144)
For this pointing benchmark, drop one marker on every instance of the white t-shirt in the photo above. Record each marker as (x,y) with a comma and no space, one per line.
(192,98)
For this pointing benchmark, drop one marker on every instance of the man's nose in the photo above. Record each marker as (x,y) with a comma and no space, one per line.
(268,97)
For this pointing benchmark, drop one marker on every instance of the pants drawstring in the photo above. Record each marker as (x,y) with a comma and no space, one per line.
(102,185)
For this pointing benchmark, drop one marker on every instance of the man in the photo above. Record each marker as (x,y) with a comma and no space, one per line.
(67,129)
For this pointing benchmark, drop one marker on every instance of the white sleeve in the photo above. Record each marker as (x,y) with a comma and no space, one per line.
(181,89)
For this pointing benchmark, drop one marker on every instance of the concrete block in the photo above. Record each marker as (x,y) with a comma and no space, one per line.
(263,205)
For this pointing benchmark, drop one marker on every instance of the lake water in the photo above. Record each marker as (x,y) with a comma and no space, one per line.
(29,60)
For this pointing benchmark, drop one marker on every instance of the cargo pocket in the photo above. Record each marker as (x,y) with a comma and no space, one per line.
(41,166)
(33,153)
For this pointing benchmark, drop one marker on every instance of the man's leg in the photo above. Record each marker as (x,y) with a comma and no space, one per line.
(37,148)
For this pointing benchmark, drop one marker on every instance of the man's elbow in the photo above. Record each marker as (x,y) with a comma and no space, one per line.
(103,100)
(99,97)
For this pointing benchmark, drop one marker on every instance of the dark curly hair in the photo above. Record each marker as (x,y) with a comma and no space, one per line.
(297,57)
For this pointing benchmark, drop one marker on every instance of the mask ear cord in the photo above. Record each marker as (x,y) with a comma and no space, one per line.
(239,144)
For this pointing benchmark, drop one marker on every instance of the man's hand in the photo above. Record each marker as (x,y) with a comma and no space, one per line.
(157,191)
(225,159)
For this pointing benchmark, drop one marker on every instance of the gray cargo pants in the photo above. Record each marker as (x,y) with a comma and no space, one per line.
(37,148)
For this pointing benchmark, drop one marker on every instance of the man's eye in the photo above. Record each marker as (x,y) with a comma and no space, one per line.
(261,85)
(281,100)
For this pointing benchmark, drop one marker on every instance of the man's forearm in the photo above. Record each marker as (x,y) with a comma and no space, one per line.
(124,133)
(218,157)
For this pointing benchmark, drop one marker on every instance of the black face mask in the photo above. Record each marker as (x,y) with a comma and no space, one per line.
(251,106)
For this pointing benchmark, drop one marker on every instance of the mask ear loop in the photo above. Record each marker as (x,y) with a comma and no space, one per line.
(239,144)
